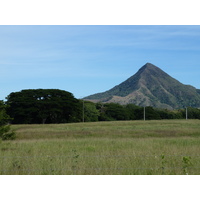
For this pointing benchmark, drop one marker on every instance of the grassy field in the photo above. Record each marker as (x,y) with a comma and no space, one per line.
(122,147)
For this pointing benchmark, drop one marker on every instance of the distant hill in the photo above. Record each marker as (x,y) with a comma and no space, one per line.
(151,86)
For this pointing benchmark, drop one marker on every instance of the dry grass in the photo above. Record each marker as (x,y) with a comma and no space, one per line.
(129,147)
(122,129)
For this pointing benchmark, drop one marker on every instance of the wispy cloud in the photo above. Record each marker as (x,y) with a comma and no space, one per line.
(56,53)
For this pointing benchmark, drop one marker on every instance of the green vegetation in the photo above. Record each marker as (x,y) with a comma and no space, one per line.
(91,113)
(5,131)
(56,106)
(120,147)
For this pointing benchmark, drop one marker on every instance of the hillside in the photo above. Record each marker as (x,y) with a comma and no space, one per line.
(151,86)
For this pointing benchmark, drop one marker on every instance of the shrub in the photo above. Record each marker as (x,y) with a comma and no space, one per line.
(5,131)
(10,135)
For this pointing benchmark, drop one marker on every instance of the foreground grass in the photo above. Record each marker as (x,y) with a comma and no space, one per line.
(129,147)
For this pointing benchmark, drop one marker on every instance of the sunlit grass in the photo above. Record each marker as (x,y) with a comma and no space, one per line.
(129,147)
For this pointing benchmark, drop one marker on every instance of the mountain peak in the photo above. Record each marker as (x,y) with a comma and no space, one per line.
(151,86)
(148,66)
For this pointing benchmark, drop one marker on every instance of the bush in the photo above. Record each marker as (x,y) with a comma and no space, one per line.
(9,136)
(5,131)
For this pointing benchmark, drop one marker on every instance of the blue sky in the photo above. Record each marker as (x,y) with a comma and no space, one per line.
(89,59)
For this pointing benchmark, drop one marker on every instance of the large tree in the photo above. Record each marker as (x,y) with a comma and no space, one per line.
(43,106)
(91,113)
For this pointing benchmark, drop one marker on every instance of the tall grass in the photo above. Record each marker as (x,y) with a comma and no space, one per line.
(129,147)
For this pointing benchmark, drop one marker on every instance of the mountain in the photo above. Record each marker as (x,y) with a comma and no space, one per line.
(151,86)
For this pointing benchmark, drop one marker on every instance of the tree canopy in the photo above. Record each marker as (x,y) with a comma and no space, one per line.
(43,106)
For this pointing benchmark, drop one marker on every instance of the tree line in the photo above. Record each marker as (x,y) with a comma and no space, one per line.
(58,106)
(114,111)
